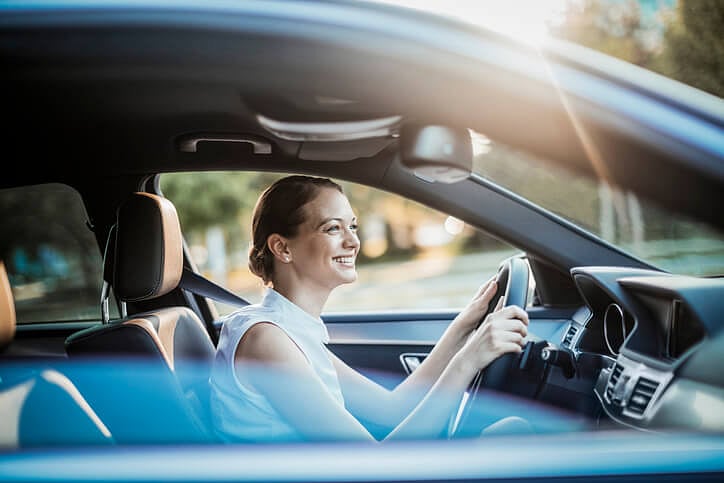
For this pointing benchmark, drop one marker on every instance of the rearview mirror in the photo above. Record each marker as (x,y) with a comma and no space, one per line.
(436,153)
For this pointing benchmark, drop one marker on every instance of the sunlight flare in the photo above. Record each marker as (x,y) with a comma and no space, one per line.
(525,20)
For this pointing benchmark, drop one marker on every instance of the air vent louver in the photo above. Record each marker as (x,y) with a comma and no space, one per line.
(642,394)
(612,380)
(570,334)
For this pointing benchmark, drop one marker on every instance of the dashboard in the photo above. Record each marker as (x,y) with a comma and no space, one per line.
(657,347)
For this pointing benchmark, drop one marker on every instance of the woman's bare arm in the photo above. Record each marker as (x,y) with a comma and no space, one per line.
(268,360)
(294,389)
(372,402)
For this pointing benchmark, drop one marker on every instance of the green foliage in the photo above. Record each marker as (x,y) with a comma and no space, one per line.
(685,43)
(694,45)
(211,199)
(614,27)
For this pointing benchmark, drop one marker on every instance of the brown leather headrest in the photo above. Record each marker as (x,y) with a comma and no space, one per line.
(149,248)
(7,309)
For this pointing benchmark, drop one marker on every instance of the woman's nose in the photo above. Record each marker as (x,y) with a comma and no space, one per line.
(351,239)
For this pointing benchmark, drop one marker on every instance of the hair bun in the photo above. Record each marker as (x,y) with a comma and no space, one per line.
(256,262)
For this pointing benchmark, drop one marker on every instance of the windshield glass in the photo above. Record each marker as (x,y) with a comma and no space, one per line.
(679,39)
(664,239)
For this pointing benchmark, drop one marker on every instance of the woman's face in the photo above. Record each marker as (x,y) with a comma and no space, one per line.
(325,249)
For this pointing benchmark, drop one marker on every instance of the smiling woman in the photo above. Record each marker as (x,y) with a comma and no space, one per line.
(283,233)
(304,246)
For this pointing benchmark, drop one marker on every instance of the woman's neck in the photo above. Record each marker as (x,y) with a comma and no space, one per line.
(311,301)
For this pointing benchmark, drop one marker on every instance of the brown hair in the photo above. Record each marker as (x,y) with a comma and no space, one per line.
(279,210)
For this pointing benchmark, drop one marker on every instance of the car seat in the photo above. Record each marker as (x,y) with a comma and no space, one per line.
(40,406)
(146,265)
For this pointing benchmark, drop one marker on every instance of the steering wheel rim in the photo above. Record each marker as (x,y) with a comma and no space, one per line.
(513,275)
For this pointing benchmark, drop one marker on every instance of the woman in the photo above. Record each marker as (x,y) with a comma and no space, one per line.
(273,377)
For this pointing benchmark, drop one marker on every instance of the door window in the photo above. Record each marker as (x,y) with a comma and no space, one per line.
(411,257)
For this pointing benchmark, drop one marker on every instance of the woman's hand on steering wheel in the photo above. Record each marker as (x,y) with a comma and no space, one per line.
(469,318)
(503,331)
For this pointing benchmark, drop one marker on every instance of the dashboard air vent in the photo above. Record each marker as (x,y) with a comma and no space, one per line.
(612,380)
(570,334)
(642,394)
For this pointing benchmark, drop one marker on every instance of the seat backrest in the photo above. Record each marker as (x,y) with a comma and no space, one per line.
(147,264)
(7,309)
(44,408)
(39,405)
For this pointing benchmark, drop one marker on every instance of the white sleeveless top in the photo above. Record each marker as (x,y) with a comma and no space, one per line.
(241,413)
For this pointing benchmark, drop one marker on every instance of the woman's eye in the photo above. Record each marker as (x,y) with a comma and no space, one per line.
(338,228)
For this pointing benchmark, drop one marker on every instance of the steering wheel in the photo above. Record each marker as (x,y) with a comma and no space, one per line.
(512,282)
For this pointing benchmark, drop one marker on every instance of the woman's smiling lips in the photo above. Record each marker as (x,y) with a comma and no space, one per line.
(348,260)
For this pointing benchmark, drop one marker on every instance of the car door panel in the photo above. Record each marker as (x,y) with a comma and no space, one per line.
(387,346)
(43,340)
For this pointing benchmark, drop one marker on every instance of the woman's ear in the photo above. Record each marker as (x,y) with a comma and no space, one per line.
(279,248)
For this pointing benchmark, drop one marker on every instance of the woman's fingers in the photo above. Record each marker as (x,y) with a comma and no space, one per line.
(512,325)
(513,312)
(499,342)
(497,336)
(481,301)
(511,336)
(507,330)
(499,305)
(504,330)
(513,320)
(484,287)
(506,342)
(485,294)
(510,347)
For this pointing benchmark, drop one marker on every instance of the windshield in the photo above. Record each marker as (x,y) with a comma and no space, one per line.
(664,239)
(679,39)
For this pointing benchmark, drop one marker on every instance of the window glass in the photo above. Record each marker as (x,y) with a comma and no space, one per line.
(52,258)
(636,225)
(411,257)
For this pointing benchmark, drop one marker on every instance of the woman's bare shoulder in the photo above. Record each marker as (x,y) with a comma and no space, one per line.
(267,342)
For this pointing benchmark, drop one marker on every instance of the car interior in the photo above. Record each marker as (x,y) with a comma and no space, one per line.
(31,398)
(617,343)
(147,263)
